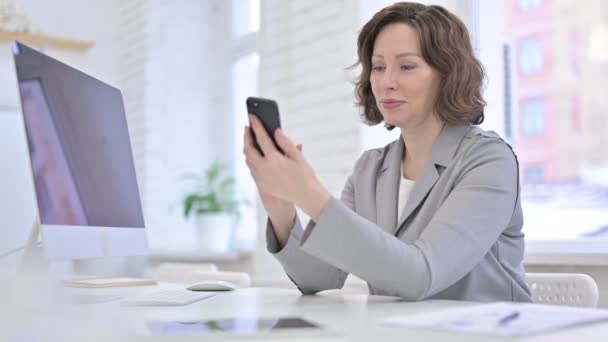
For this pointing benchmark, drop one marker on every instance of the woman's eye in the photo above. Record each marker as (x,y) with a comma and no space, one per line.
(377,68)
(407,67)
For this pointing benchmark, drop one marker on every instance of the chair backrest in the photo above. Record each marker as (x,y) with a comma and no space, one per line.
(563,289)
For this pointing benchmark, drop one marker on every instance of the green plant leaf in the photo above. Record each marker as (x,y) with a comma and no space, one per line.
(227,183)
(213,172)
(213,192)
(188,203)
(213,326)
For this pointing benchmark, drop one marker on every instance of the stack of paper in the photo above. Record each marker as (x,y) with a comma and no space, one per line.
(501,319)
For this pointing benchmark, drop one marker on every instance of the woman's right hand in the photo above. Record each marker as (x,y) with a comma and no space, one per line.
(274,204)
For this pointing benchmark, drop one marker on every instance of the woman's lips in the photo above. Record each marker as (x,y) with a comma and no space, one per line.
(391,104)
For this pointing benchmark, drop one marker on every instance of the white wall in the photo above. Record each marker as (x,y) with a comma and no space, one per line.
(93,20)
(489,51)
(175,71)
(305,47)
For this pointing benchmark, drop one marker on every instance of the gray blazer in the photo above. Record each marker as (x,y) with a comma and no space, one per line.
(460,236)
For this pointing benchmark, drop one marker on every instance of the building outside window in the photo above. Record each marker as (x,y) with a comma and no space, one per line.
(560,116)
(528,5)
(533,175)
(533,117)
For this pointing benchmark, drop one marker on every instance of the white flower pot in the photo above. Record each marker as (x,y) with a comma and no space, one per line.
(215,232)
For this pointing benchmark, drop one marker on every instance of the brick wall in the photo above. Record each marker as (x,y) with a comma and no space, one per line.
(305,47)
(133,57)
(175,81)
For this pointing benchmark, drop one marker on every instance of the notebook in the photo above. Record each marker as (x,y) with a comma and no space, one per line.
(109,282)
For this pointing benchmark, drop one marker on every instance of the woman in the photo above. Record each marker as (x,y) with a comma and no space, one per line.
(435,214)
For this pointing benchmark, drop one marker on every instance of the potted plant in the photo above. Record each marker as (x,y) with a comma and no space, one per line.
(213,204)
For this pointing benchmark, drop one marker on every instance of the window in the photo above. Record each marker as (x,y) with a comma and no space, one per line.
(560,142)
(530,56)
(507,93)
(528,5)
(533,117)
(246,17)
(533,175)
(244,80)
(244,83)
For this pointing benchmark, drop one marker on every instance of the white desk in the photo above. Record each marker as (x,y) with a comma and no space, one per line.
(345,317)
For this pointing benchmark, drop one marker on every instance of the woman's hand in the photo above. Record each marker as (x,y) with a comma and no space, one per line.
(275,204)
(283,179)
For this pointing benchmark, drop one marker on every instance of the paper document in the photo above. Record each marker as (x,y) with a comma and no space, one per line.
(501,319)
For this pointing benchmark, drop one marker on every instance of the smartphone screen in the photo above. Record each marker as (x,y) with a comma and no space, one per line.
(268,112)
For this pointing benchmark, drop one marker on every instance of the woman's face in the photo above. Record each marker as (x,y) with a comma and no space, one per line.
(403,84)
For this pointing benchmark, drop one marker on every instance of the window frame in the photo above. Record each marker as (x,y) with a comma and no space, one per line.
(583,252)
(243,46)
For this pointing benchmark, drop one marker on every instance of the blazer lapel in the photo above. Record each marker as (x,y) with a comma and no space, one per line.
(387,187)
(442,153)
(423,185)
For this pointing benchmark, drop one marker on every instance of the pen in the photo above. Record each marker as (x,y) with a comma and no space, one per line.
(508,318)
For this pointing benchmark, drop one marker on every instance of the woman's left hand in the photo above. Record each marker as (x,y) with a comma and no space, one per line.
(289,176)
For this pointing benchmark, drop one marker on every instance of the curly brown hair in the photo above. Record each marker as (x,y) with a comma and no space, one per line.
(446,47)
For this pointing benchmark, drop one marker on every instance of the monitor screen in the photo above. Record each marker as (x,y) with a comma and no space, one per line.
(79,146)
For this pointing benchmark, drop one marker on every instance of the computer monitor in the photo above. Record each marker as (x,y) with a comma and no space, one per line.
(82,165)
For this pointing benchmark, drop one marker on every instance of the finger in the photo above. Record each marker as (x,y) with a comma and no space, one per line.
(247,138)
(290,149)
(262,137)
(299,147)
(251,153)
(252,168)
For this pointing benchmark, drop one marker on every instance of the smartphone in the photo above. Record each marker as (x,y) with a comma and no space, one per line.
(268,112)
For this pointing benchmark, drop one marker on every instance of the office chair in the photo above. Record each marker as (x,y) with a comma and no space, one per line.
(571,289)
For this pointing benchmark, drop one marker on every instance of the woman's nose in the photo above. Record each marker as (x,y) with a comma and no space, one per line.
(389,80)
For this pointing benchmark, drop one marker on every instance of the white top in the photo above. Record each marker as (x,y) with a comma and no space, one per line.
(405,188)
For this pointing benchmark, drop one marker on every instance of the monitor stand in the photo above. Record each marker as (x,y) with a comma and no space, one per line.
(33,262)
(35,271)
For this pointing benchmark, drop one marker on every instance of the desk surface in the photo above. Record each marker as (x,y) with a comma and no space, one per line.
(344,316)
